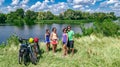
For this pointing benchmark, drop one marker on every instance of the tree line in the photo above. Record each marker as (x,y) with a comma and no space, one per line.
(20,17)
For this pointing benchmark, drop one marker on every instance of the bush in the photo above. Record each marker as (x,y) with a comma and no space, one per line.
(77,35)
(87,31)
(107,28)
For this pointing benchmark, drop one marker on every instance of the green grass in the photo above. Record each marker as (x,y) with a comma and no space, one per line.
(63,21)
(90,51)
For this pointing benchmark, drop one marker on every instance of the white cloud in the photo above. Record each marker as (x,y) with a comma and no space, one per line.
(58,8)
(77,6)
(87,6)
(81,4)
(46,1)
(112,1)
(113,5)
(52,1)
(1,1)
(35,6)
(116,8)
(9,8)
(24,1)
(43,6)
(25,7)
(84,1)
(15,2)
(108,2)
(89,10)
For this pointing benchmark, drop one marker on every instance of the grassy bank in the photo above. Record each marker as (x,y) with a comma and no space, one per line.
(63,21)
(90,51)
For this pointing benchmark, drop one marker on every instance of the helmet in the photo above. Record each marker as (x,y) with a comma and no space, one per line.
(36,39)
(31,40)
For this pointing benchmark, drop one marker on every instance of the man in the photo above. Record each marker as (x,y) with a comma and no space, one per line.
(70,39)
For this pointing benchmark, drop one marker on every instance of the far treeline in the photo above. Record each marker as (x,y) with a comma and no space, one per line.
(19,17)
(103,22)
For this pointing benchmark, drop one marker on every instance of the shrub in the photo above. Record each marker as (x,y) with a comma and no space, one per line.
(107,28)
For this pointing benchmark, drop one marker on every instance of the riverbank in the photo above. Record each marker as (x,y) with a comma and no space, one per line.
(90,51)
(63,21)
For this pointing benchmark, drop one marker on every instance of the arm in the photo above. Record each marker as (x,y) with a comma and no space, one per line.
(67,38)
(57,36)
(51,36)
(62,38)
(73,35)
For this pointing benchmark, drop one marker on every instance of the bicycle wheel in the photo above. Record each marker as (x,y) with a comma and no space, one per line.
(33,58)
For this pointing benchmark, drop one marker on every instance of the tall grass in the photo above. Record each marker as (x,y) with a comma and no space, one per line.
(90,51)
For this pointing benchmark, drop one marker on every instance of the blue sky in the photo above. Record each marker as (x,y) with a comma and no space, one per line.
(58,6)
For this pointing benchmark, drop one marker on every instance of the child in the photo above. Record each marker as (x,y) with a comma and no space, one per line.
(65,40)
(47,39)
(54,39)
(71,39)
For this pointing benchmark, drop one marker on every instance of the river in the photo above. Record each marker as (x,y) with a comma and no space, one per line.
(37,30)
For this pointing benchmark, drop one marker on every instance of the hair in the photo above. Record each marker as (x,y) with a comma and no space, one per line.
(64,29)
(68,26)
(53,28)
(47,30)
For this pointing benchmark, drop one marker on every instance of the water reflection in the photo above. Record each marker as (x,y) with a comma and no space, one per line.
(37,30)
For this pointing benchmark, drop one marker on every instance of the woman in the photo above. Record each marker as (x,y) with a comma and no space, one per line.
(54,39)
(47,39)
(64,40)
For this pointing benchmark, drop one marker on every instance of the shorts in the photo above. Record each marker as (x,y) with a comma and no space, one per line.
(65,43)
(54,42)
(70,44)
(47,42)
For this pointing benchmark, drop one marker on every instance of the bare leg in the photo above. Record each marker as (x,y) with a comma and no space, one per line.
(46,47)
(66,52)
(49,46)
(55,47)
(63,49)
(72,51)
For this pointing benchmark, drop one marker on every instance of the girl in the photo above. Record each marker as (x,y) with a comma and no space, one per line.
(47,39)
(54,39)
(64,40)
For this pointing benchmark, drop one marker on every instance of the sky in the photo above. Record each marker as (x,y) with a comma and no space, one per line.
(59,6)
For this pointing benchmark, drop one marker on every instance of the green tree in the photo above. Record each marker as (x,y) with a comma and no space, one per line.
(61,16)
(49,15)
(30,17)
(41,16)
(2,18)
(20,12)
(16,18)
(69,14)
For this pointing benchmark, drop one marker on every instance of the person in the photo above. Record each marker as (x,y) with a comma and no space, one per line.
(70,39)
(47,39)
(54,39)
(64,40)
(36,46)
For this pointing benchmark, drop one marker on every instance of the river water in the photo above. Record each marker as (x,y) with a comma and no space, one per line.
(37,30)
